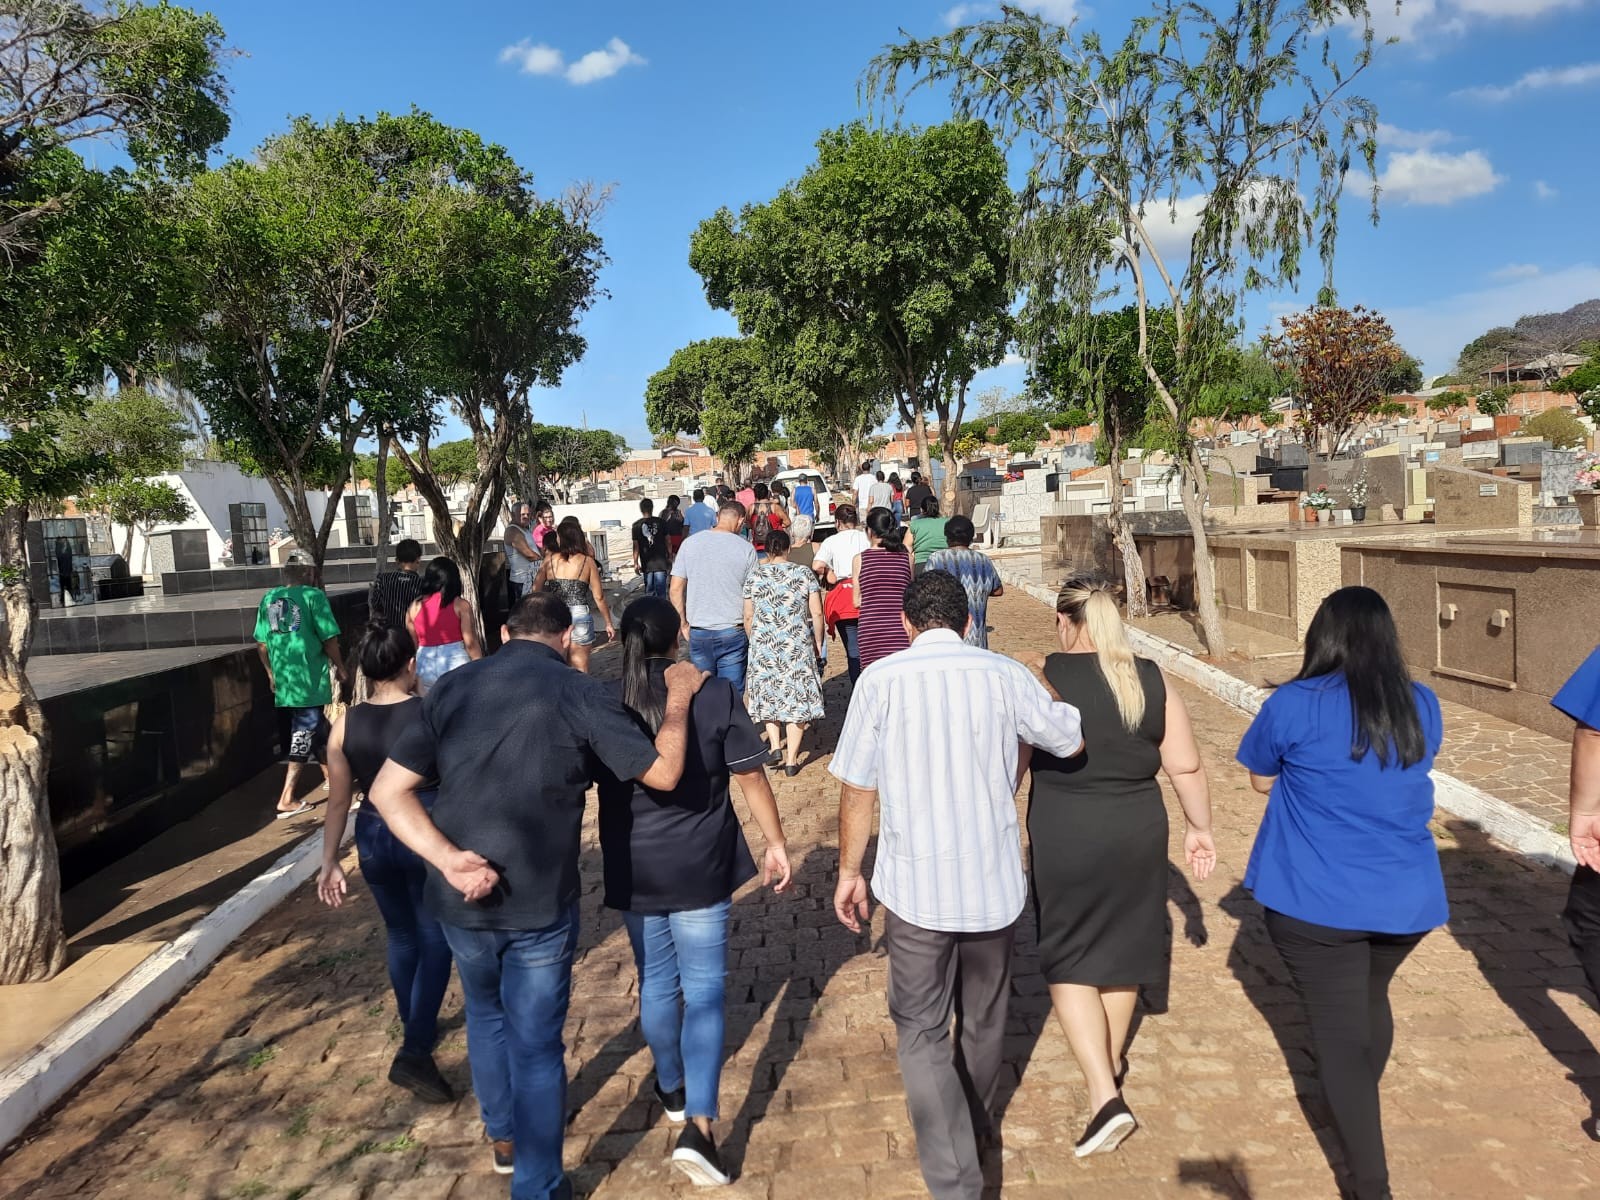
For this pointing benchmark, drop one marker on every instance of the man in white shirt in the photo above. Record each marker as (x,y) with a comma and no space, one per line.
(949,864)
(861,486)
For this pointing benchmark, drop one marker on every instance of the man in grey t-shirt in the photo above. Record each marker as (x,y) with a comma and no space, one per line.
(708,592)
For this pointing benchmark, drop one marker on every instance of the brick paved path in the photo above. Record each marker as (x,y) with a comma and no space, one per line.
(267,1078)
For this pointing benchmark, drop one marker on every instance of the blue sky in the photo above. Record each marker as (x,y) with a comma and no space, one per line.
(1488,160)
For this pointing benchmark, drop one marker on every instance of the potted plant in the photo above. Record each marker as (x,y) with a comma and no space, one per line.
(1587,492)
(1321,503)
(1356,492)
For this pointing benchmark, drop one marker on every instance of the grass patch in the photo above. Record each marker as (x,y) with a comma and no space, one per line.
(337,958)
(301,1125)
(249,1190)
(375,1010)
(395,1145)
(395,1030)
(261,1058)
(362,1082)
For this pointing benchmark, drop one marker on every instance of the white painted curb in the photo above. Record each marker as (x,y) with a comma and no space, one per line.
(31,1086)
(1505,822)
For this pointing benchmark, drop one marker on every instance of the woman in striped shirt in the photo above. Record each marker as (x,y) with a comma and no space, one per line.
(881,574)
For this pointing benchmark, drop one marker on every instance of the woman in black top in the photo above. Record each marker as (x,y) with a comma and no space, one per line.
(419,957)
(1097,829)
(672,863)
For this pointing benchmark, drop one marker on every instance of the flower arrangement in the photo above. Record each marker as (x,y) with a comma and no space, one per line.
(1319,500)
(1356,490)
(1589,471)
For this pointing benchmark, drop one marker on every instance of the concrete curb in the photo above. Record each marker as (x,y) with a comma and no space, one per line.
(1503,821)
(31,1086)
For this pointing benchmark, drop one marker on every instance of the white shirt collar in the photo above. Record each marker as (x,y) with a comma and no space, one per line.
(937,635)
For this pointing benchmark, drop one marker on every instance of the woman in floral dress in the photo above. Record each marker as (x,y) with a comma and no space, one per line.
(783,620)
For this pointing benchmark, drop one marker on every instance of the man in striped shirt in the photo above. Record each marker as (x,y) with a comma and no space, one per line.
(391,593)
(932,737)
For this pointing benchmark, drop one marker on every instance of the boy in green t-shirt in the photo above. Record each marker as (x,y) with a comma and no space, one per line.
(298,639)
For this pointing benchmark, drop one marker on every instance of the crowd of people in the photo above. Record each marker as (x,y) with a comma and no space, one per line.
(470,842)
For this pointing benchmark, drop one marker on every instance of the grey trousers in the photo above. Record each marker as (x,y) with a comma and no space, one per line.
(950,1083)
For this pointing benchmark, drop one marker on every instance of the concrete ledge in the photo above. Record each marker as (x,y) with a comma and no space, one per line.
(1501,820)
(32,1085)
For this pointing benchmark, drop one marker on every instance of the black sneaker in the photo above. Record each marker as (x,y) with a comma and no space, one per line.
(419,1075)
(505,1161)
(1111,1125)
(673,1101)
(696,1156)
(1122,1073)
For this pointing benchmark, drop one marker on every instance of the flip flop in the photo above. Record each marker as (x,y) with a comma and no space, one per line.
(303,807)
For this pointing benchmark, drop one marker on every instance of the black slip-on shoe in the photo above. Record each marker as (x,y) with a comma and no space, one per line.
(505,1159)
(419,1075)
(1111,1125)
(696,1156)
(673,1101)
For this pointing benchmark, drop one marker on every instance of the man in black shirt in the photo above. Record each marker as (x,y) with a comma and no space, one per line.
(392,592)
(916,494)
(652,554)
(502,846)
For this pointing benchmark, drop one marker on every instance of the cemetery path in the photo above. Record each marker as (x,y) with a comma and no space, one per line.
(267,1078)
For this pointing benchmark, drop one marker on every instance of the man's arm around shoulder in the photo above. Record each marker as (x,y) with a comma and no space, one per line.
(1044,720)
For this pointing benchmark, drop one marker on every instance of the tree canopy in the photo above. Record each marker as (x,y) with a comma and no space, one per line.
(1341,358)
(899,234)
(722,389)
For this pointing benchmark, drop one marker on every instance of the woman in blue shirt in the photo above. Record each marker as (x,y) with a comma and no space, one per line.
(1344,863)
(1579,698)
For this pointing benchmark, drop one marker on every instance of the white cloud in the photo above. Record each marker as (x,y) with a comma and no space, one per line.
(1423,23)
(1538,80)
(1013,359)
(535,58)
(1429,177)
(962,13)
(1544,191)
(1515,8)
(1515,271)
(1436,329)
(1062,11)
(602,64)
(1392,137)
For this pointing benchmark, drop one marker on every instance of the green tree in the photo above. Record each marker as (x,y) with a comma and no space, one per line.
(1447,404)
(495,316)
(722,389)
(145,79)
(397,478)
(1244,112)
(901,235)
(1492,402)
(134,434)
(559,453)
(1404,378)
(138,505)
(1558,426)
(1585,379)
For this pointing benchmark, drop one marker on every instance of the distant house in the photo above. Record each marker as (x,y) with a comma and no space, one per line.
(1546,369)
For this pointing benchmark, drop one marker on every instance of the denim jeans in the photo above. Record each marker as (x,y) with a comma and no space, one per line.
(683,967)
(419,957)
(720,651)
(852,646)
(655,584)
(516,983)
(433,662)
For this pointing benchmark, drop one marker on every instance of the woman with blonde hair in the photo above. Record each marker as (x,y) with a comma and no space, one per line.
(1097,827)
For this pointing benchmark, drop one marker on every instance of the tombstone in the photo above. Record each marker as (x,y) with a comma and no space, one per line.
(360,529)
(247,524)
(180,550)
(1292,454)
(1558,476)
(58,562)
(1522,454)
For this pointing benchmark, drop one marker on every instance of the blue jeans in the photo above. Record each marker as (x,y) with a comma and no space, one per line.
(720,651)
(683,967)
(419,957)
(851,631)
(516,984)
(655,584)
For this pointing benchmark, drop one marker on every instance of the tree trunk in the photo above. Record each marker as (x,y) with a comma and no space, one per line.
(949,431)
(127,546)
(919,428)
(1195,490)
(33,945)
(1133,577)
(380,487)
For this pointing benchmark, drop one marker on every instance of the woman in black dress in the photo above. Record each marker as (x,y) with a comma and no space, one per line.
(1097,826)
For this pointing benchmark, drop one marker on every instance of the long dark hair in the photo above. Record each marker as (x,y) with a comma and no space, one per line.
(649,630)
(1353,635)
(443,578)
(882,525)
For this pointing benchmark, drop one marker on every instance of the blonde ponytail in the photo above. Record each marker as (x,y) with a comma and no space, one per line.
(1089,605)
